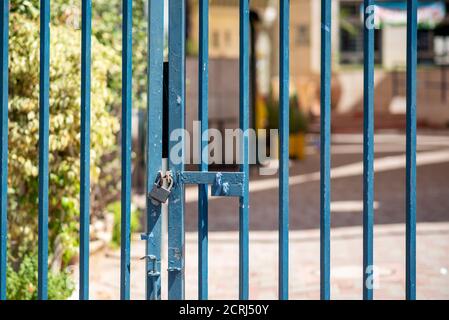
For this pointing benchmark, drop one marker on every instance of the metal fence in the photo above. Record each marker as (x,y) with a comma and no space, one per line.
(223,184)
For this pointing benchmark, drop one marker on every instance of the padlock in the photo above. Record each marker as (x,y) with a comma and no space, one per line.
(159,193)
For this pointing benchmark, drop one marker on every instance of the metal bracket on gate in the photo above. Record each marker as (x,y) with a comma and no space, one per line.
(224,184)
(150,258)
(153,259)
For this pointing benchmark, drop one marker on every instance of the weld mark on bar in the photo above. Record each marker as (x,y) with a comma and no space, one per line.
(325,27)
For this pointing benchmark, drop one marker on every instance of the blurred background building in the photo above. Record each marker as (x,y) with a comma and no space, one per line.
(347,35)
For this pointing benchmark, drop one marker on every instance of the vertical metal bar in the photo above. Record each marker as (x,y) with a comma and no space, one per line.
(203,72)
(284,125)
(412,21)
(4,30)
(154,143)
(176,78)
(368,150)
(44,92)
(244,149)
(126,149)
(325,182)
(85,148)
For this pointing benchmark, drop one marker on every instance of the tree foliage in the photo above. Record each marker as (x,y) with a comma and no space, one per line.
(64,164)
(106,28)
(64,143)
(22,284)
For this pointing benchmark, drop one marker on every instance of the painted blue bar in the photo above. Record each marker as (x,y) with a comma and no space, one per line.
(224,184)
(126,149)
(368,151)
(203,177)
(410,203)
(325,161)
(86,27)
(244,149)
(176,101)
(154,144)
(4,30)
(203,87)
(44,119)
(284,125)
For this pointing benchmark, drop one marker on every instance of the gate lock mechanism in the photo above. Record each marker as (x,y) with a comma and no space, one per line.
(152,259)
(161,191)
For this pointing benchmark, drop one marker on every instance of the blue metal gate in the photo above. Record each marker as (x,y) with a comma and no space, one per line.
(223,184)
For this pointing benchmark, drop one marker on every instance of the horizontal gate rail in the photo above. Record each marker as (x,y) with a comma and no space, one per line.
(224,184)
(199,177)
(4,30)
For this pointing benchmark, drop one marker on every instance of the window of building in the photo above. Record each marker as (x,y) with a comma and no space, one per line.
(433,43)
(425,46)
(215,39)
(351,35)
(302,35)
(430,41)
(227,38)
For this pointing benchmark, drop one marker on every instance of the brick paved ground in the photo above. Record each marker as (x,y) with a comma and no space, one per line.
(432,213)
(432,265)
(432,191)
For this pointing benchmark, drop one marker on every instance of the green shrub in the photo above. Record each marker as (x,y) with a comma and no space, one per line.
(115,209)
(22,284)
(64,143)
(298,120)
(107,29)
